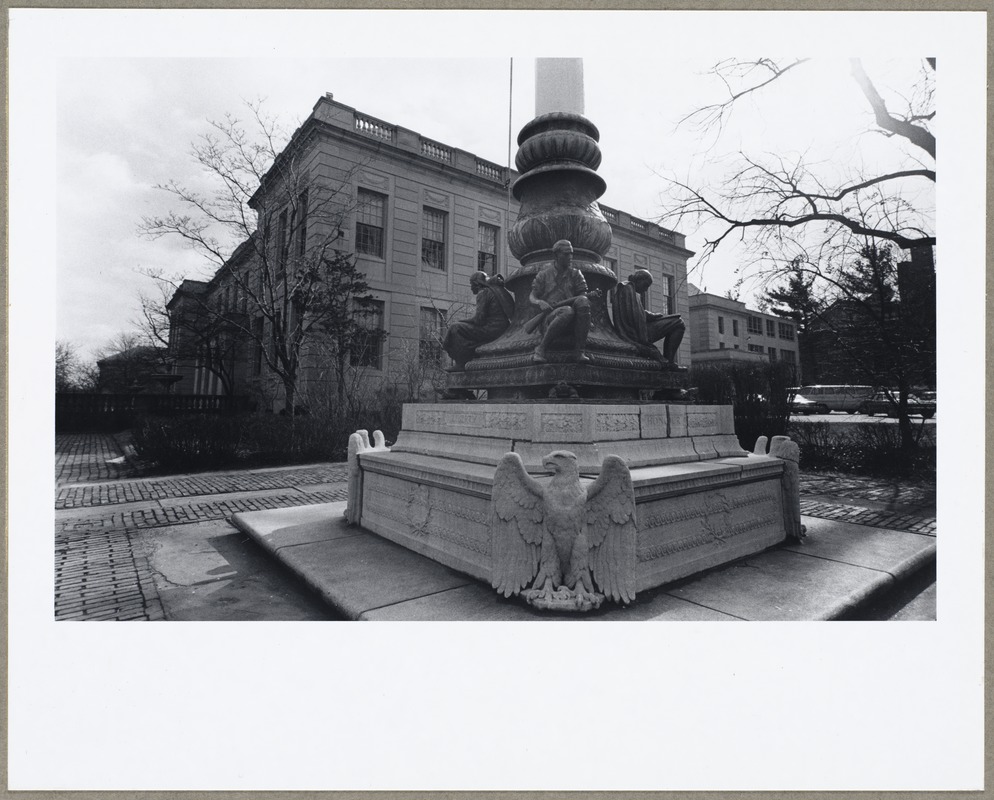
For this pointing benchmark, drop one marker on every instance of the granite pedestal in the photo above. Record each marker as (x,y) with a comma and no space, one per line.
(701,500)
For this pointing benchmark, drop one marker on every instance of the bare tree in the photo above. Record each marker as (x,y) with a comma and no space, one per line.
(72,374)
(272,231)
(766,198)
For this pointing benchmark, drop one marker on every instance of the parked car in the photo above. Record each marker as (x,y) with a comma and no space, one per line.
(802,405)
(886,403)
(838,397)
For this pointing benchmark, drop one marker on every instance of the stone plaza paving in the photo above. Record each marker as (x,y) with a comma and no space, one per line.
(110,520)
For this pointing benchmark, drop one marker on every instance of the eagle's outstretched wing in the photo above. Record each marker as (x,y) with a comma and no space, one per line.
(612,529)
(515,526)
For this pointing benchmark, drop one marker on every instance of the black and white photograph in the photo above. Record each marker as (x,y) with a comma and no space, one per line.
(487,317)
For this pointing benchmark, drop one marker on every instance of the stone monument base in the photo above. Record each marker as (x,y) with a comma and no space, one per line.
(539,381)
(701,500)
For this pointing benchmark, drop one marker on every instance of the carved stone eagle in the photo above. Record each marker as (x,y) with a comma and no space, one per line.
(573,545)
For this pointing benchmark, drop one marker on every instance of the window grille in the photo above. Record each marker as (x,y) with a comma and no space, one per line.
(486,256)
(281,233)
(433,238)
(430,339)
(367,350)
(669,294)
(370,216)
(302,223)
(754,325)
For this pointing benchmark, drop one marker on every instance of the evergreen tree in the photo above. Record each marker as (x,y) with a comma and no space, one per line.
(798,300)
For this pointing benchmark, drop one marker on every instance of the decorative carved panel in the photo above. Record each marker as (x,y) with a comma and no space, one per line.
(490,215)
(436,199)
(367,178)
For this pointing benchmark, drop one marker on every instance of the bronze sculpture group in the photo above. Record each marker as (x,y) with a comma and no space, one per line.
(494,308)
(561,300)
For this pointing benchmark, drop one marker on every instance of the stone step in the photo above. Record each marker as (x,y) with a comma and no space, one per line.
(838,570)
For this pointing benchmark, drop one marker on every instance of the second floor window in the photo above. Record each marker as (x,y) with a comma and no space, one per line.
(370,220)
(754,325)
(771,329)
(721,324)
(486,254)
(786,330)
(735,327)
(669,295)
(433,238)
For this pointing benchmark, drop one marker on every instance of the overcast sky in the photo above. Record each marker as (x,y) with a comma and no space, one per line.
(126,124)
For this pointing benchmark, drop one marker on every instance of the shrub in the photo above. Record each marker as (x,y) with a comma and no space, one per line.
(187,442)
(273,439)
(212,441)
(862,448)
(757,392)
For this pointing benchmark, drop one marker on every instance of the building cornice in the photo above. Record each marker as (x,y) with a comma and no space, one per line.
(346,124)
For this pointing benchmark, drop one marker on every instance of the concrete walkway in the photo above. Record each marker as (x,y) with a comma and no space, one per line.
(840,571)
(129,546)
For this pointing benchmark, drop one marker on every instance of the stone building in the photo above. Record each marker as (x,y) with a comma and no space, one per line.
(420,216)
(721,329)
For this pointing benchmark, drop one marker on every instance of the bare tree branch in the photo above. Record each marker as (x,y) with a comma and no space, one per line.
(917,135)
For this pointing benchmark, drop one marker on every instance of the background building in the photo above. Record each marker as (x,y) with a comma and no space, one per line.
(721,329)
(420,217)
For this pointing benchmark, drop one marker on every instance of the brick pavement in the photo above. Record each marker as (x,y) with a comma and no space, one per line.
(103,576)
(913,523)
(103,494)
(205,509)
(102,569)
(898,493)
(84,456)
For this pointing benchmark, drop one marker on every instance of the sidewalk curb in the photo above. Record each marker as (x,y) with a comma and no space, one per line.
(916,568)
(299,570)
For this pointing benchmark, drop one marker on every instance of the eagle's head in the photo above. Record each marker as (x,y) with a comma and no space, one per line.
(561,462)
